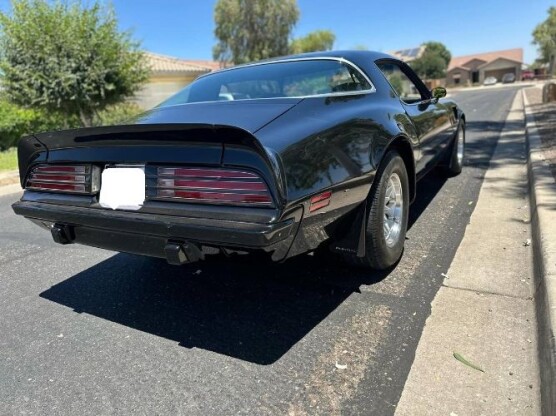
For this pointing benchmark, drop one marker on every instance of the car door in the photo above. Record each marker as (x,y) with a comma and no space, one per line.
(432,120)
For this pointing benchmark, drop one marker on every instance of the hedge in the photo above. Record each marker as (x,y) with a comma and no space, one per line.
(16,121)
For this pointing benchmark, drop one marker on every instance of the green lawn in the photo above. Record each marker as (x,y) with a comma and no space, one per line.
(8,159)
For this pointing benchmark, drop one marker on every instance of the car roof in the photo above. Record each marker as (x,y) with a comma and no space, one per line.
(350,55)
(355,56)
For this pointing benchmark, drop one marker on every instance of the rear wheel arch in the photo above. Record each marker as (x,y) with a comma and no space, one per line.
(355,238)
(402,146)
(374,249)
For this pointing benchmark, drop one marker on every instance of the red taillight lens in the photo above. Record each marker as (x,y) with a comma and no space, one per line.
(83,179)
(212,186)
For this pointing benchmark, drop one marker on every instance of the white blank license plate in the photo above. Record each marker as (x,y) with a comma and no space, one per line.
(123,188)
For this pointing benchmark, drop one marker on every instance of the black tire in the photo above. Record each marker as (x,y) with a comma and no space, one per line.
(455,163)
(379,254)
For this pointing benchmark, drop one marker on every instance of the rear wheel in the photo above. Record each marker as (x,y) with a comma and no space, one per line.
(387,218)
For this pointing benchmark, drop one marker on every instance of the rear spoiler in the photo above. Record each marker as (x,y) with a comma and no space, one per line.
(187,144)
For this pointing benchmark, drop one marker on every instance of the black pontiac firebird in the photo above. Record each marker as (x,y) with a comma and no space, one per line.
(283,156)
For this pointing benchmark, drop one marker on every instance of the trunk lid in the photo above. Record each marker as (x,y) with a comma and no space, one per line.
(249,115)
(188,133)
(211,134)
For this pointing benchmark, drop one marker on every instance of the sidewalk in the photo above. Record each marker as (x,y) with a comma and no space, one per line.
(485,310)
(9,182)
(541,137)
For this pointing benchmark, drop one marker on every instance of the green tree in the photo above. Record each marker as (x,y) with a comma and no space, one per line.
(433,62)
(319,40)
(544,36)
(250,30)
(67,58)
(438,49)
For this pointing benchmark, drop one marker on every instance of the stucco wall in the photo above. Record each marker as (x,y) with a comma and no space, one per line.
(158,88)
(452,75)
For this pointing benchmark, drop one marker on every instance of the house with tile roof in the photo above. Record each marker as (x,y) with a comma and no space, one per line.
(168,76)
(473,69)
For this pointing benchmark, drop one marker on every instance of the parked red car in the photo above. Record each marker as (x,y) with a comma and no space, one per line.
(527,75)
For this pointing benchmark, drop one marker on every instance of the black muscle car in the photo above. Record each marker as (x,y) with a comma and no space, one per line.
(284,156)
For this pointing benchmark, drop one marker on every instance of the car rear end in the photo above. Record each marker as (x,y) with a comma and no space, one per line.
(508,78)
(170,191)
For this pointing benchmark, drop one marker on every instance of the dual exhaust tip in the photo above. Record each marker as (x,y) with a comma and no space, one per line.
(176,252)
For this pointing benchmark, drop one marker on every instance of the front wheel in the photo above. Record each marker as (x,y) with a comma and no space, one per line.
(388,214)
(455,165)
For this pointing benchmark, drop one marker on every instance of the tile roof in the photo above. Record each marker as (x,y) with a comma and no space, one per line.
(511,54)
(168,64)
(212,65)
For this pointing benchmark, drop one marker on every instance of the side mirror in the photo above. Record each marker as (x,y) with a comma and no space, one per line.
(438,93)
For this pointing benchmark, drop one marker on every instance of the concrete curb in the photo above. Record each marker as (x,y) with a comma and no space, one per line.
(542,194)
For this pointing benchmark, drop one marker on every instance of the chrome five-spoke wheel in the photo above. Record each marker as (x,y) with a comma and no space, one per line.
(393,210)
(460,144)
(388,206)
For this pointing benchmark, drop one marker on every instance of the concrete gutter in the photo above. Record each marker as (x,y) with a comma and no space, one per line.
(9,177)
(9,182)
(543,218)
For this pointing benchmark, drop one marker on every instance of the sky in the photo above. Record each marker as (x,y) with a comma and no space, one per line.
(185,28)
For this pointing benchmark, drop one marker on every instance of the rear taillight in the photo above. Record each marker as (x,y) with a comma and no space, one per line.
(211,186)
(82,179)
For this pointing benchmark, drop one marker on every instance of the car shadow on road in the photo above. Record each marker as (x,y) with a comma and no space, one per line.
(479,153)
(241,307)
(244,308)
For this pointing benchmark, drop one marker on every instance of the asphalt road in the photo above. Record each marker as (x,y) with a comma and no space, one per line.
(87,331)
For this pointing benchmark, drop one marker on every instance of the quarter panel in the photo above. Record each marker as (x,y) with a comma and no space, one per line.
(29,151)
(325,142)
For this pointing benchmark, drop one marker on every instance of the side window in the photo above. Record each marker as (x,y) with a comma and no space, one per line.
(340,78)
(400,82)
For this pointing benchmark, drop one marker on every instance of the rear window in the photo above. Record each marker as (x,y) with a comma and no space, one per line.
(274,80)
